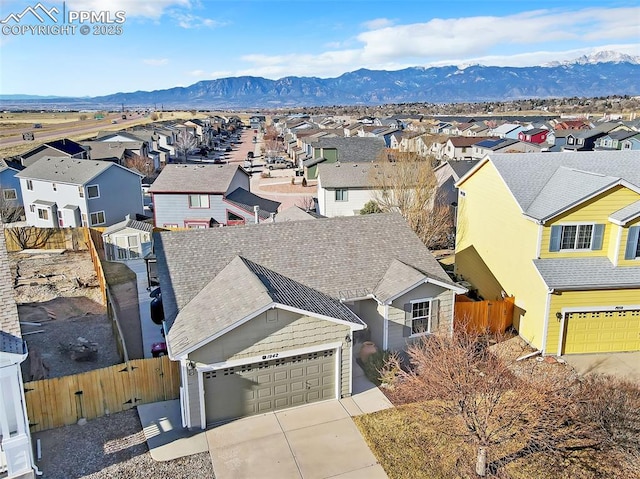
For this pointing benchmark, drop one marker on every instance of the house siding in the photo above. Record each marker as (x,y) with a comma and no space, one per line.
(586,300)
(173,208)
(8,181)
(64,195)
(240,180)
(356,199)
(290,331)
(623,245)
(397,340)
(595,211)
(494,240)
(120,195)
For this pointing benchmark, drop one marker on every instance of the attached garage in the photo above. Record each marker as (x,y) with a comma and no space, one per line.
(602,331)
(265,386)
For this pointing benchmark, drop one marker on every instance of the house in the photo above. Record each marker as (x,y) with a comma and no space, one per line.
(16,449)
(507,130)
(64,148)
(128,239)
(202,196)
(447,175)
(350,149)
(559,232)
(10,194)
(534,135)
(583,140)
(503,145)
(344,188)
(259,324)
(617,140)
(460,148)
(66,192)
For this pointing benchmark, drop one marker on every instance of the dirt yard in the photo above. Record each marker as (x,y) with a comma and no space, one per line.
(63,322)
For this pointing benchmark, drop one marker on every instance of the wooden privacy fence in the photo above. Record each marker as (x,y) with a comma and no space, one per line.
(96,249)
(478,316)
(62,401)
(31,237)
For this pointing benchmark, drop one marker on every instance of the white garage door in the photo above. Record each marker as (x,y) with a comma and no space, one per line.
(269,385)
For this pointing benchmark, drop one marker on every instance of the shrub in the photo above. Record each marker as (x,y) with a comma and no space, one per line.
(374,364)
(370,207)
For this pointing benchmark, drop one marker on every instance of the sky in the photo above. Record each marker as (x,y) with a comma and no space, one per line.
(149,45)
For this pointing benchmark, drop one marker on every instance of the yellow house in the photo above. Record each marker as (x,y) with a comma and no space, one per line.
(560,232)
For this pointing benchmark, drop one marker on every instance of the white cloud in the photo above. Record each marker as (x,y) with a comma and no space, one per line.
(156,62)
(377,23)
(133,8)
(491,40)
(187,20)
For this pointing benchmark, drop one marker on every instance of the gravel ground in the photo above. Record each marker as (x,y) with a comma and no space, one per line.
(111,447)
(58,294)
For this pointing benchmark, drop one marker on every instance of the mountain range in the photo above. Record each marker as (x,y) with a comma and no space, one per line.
(601,74)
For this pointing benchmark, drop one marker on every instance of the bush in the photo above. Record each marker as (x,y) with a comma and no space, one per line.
(374,364)
(370,207)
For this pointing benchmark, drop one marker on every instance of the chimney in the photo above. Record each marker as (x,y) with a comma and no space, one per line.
(256,209)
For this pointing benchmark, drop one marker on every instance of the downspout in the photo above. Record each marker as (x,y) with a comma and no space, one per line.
(385,328)
(256,210)
(545,328)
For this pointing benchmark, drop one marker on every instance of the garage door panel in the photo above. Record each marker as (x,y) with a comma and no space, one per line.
(269,385)
(602,331)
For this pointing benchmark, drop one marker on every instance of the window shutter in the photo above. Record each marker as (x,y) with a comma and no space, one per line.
(554,244)
(632,242)
(598,235)
(434,312)
(406,330)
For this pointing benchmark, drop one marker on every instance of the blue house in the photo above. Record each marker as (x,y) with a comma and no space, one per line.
(11,206)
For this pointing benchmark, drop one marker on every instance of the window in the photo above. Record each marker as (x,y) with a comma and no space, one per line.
(632,250)
(32,208)
(29,185)
(97,218)
(342,195)
(170,225)
(81,191)
(9,194)
(43,214)
(198,201)
(421,317)
(84,219)
(93,191)
(576,237)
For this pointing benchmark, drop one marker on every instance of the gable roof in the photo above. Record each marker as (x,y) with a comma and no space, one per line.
(246,200)
(100,150)
(465,141)
(626,214)
(129,223)
(538,181)
(189,260)
(261,288)
(180,178)
(10,165)
(346,175)
(68,170)
(353,149)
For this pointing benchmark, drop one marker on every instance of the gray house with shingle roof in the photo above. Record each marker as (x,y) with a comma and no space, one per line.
(16,452)
(202,196)
(129,239)
(344,188)
(67,192)
(345,150)
(257,328)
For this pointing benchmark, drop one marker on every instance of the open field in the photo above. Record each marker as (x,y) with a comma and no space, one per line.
(57,125)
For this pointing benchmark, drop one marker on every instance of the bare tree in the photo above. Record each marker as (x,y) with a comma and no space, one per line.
(30,237)
(405,182)
(590,426)
(10,210)
(141,163)
(306,203)
(185,141)
(273,146)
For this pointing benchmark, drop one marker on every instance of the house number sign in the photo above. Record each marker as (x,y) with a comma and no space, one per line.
(270,356)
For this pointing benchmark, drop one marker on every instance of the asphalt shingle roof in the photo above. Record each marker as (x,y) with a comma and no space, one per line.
(194,179)
(353,149)
(333,256)
(129,223)
(10,334)
(66,170)
(247,200)
(586,273)
(627,213)
(243,288)
(346,175)
(540,188)
(295,213)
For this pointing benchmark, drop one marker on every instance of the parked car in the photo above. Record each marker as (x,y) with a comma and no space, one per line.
(280,163)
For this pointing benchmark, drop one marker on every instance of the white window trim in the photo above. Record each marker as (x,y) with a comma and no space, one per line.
(47,212)
(7,190)
(422,300)
(89,197)
(96,213)
(577,224)
(345,193)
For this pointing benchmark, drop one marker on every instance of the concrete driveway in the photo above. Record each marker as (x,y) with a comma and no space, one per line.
(314,441)
(621,365)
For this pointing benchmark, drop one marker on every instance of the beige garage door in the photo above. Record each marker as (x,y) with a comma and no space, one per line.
(269,385)
(602,332)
